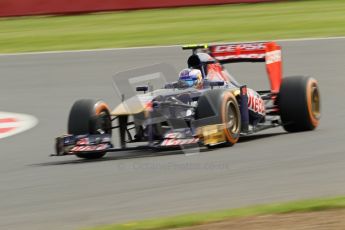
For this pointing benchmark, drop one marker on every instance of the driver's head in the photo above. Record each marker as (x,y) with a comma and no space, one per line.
(191,77)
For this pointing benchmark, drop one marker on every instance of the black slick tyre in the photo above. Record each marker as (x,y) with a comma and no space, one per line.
(299,103)
(89,116)
(220,107)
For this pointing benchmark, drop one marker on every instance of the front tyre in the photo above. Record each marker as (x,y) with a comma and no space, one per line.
(299,103)
(89,117)
(220,107)
(231,117)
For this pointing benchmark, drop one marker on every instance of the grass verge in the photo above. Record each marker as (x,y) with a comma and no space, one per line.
(202,218)
(294,19)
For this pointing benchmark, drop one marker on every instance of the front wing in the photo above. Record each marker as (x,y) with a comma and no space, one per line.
(94,143)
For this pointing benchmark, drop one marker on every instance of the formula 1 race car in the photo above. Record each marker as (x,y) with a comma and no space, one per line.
(219,110)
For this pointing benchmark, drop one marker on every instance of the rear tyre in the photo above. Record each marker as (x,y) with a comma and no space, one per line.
(89,117)
(299,104)
(220,107)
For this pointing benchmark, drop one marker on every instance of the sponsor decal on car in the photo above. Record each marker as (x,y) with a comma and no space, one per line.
(273,56)
(83,141)
(234,47)
(177,142)
(255,103)
(88,148)
(240,56)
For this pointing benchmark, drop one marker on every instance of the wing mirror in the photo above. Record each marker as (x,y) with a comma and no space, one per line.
(142,88)
(213,83)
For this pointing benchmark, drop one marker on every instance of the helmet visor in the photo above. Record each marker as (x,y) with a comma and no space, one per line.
(190,83)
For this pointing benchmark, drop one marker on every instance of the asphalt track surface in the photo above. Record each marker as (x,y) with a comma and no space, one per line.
(39,192)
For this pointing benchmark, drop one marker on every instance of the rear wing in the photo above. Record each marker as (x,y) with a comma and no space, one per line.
(268,52)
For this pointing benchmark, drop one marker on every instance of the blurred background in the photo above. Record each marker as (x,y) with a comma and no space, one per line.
(53,52)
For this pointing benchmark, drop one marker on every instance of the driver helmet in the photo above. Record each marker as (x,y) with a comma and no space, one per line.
(191,77)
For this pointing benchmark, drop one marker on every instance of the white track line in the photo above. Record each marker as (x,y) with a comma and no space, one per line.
(155,47)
